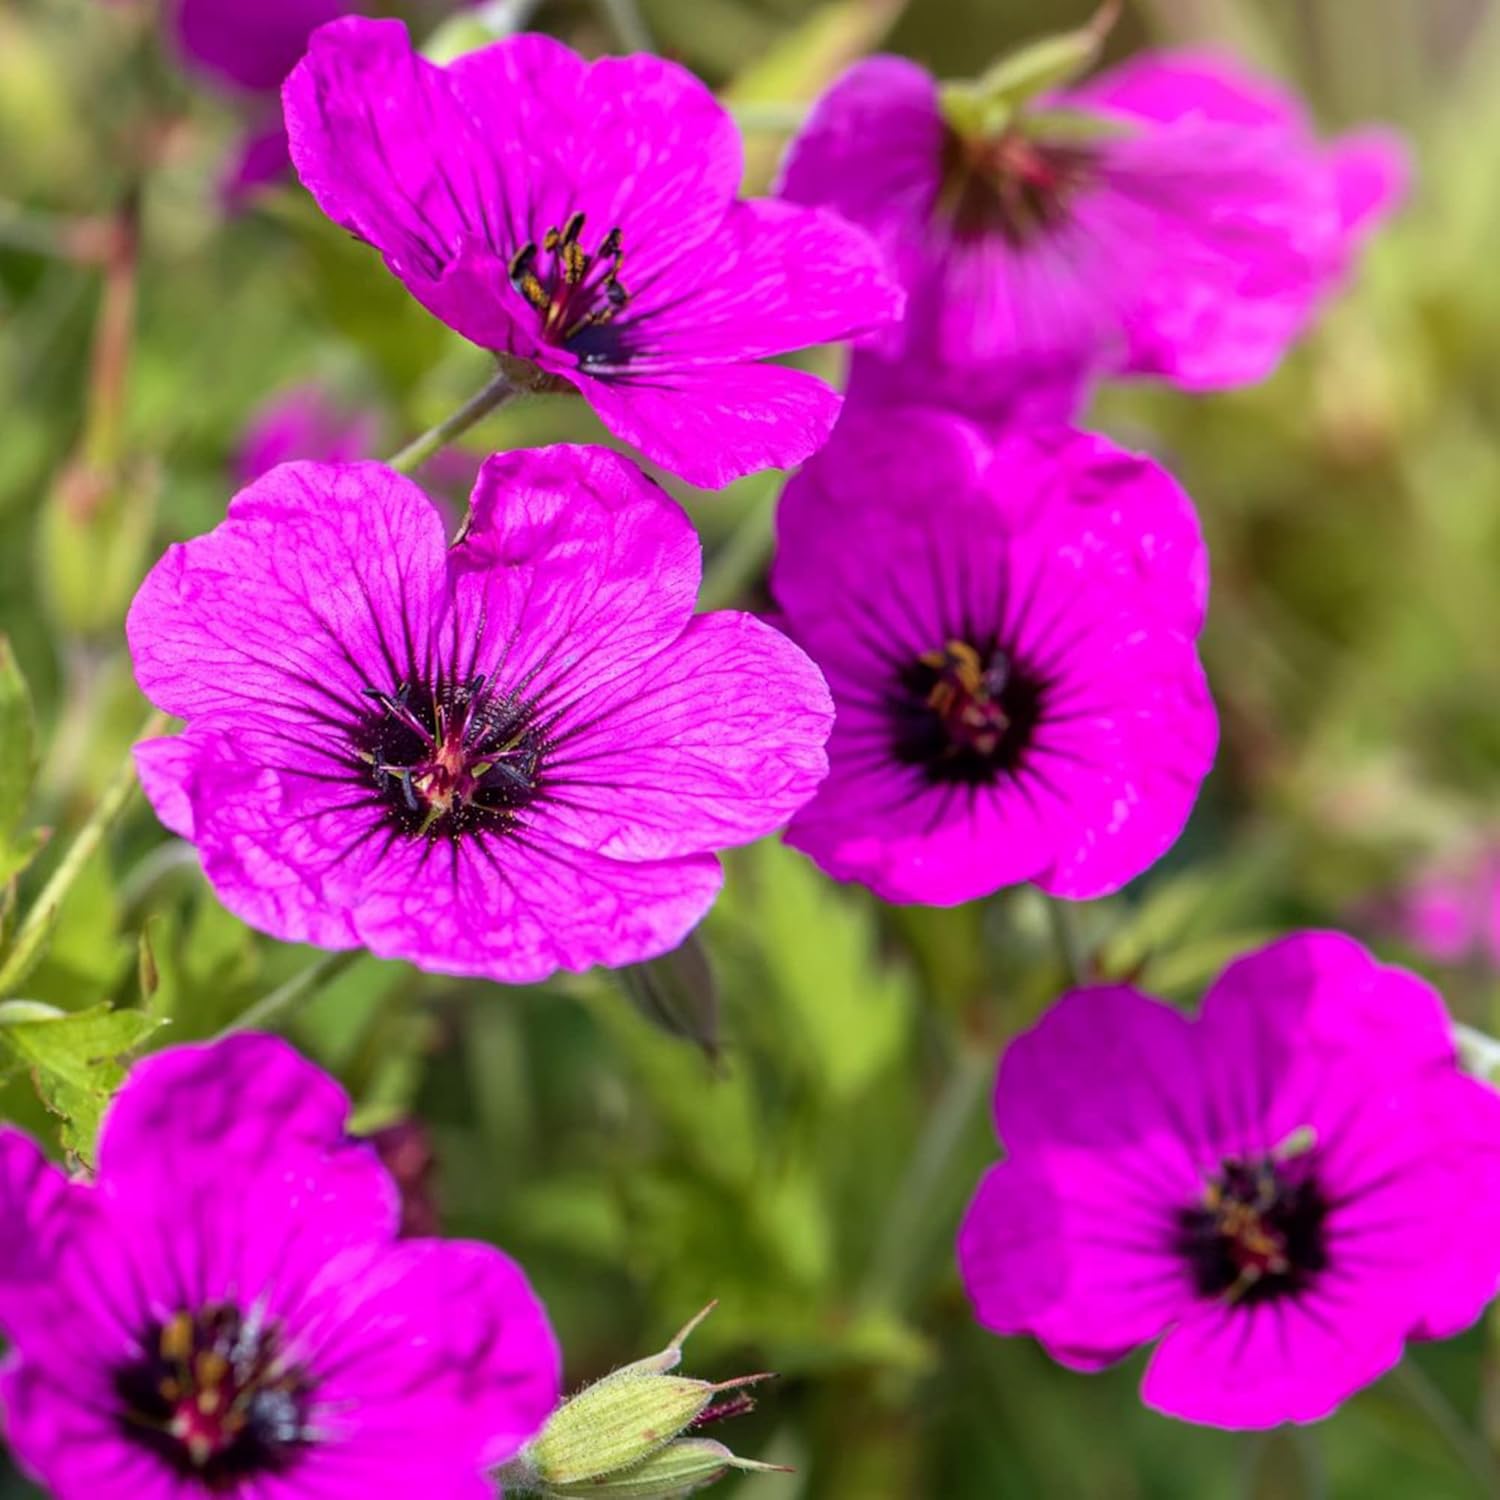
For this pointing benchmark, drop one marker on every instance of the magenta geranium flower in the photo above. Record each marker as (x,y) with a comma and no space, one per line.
(1008,630)
(1450,911)
(1175,217)
(306,421)
(500,758)
(226,1309)
(1283,1191)
(583,218)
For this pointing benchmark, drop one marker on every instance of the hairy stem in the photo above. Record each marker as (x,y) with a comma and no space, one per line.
(274,1008)
(500,390)
(36,926)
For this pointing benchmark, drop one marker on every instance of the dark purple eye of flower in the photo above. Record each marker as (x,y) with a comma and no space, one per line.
(964,715)
(577,291)
(1011,184)
(214,1395)
(453,760)
(1258,1233)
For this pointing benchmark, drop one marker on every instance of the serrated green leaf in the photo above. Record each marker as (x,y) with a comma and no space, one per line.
(850,1004)
(76,1061)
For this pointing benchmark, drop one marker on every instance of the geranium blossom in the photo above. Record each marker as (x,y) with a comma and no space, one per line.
(1008,630)
(496,759)
(1283,1191)
(1173,217)
(306,421)
(245,48)
(226,1309)
(582,218)
(1449,911)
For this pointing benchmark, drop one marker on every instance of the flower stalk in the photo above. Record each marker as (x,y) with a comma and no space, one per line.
(31,937)
(501,389)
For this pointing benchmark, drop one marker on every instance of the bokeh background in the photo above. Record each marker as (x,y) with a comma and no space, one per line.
(797,1138)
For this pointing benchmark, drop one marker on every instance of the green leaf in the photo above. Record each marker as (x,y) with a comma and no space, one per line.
(19,757)
(851,1005)
(76,1061)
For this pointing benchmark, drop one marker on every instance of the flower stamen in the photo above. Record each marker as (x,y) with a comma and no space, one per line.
(452,759)
(963,714)
(1258,1231)
(575,289)
(214,1393)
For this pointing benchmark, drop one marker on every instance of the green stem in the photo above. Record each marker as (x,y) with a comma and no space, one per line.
(739,560)
(901,1242)
(1070,946)
(630,26)
(1468,1447)
(500,389)
(282,1001)
(36,926)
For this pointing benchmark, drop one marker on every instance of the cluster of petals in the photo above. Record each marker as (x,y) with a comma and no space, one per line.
(226,1308)
(1175,217)
(245,49)
(1007,626)
(1283,1191)
(583,219)
(1450,911)
(499,758)
(305,421)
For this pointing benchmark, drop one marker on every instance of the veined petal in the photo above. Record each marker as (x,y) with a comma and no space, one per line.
(713,424)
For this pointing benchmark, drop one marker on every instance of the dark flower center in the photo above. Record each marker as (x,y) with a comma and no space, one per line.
(1259,1231)
(451,760)
(578,292)
(213,1394)
(964,714)
(1010,184)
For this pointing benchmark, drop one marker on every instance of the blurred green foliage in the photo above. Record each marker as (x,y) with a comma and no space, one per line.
(806,1168)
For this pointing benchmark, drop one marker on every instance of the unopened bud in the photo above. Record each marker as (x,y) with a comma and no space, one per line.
(622,1436)
(685,1465)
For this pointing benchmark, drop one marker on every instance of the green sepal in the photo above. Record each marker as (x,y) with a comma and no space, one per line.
(680,1468)
(986,105)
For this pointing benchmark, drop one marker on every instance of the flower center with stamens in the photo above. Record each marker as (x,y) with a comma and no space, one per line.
(964,714)
(1258,1232)
(454,760)
(214,1395)
(578,292)
(1011,184)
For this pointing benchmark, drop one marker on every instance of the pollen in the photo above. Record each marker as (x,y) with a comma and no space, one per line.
(574,289)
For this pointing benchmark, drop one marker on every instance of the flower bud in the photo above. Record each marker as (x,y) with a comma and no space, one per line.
(621,1436)
(683,1466)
